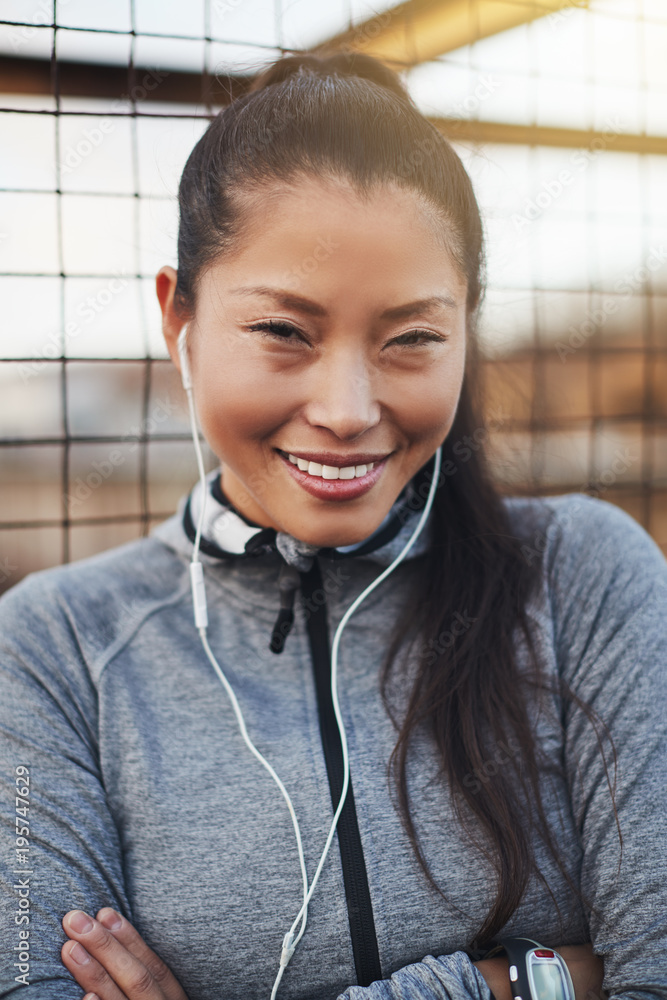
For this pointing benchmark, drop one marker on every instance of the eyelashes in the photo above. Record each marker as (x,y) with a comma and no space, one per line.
(280,330)
(275,328)
(424,336)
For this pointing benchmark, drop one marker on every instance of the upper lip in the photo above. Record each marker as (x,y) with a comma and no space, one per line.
(339,461)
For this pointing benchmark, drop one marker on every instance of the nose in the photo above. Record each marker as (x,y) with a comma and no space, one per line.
(342,398)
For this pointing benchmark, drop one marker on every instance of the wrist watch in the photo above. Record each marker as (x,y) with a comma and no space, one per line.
(536,972)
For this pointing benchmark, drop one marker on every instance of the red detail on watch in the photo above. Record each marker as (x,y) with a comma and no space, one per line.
(543,953)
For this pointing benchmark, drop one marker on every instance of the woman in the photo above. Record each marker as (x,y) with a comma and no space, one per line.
(509,670)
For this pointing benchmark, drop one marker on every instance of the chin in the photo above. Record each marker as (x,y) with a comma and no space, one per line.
(329,540)
(328,534)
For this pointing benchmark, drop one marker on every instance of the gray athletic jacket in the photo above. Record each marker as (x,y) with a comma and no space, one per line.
(142,795)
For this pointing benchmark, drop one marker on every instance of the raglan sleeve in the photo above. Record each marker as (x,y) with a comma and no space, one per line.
(60,848)
(609,599)
(448,977)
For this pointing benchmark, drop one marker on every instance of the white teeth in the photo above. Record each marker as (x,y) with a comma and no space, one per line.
(330,471)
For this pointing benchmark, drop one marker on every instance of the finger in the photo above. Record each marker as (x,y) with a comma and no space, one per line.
(127,935)
(112,971)
(89,974)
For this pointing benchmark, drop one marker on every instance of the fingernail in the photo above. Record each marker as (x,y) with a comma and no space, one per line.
(80,922)
(79,954)
(111,920)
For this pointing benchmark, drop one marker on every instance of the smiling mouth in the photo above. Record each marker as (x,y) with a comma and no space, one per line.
(320,470)
(335,482)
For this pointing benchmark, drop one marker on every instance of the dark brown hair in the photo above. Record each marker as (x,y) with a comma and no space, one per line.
(349,116)
(346,116)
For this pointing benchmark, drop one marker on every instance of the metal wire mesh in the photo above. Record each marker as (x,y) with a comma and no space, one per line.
(94,446)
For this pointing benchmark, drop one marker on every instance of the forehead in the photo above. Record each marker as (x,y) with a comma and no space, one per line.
(309,191)
(291,217)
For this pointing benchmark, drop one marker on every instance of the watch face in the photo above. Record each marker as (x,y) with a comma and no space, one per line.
(546,979)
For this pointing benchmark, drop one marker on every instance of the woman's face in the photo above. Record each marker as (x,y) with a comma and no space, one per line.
(335,335)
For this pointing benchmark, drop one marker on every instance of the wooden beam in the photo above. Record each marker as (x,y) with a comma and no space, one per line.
(483,133)
(34,76)
(419,30)
(77,79)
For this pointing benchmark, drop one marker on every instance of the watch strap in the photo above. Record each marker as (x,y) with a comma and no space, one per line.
(519,950)
(516,949)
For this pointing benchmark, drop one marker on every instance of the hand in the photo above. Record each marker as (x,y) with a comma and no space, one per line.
(111,961)
(585,968)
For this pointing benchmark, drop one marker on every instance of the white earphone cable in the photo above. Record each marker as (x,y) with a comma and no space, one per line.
(334,672)
(201,622)
(202,475)
(201,628)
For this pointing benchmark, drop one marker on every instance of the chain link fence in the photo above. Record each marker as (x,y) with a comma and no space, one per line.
(99,108)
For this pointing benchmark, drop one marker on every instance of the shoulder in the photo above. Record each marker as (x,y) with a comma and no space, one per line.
(604,580)
(84,608)
(574,530)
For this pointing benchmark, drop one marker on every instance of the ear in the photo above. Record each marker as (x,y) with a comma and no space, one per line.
(173,318)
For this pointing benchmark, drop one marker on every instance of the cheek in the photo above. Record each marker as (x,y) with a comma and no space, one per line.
(427,406)
(241,400)
(238,403)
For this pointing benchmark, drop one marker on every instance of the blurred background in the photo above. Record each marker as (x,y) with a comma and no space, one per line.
(558,109)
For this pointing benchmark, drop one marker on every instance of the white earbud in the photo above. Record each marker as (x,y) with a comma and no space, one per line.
(186,377)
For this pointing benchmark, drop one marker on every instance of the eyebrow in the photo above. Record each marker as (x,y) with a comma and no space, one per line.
(292,301)
(419,307)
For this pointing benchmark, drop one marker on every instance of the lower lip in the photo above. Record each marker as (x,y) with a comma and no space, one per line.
(335,489)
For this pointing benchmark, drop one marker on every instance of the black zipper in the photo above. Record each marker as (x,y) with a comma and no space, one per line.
(355,877)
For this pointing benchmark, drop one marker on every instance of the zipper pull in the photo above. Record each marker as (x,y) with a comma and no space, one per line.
(288,583)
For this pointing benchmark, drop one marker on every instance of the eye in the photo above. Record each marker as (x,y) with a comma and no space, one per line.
(415,338)
(277,329)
